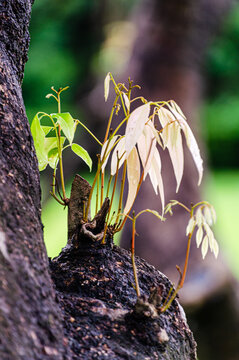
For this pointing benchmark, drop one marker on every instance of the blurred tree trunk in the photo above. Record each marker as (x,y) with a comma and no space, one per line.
(167,61)
(32,313)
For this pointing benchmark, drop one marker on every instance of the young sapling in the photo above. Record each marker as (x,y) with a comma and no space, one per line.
(150,125)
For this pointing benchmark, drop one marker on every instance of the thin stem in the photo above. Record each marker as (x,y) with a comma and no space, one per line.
(86,128)
(56,198)
(61,163)
(97,187)
(121,191)
(182,277)
(132,257)
(108,187)
(111,202)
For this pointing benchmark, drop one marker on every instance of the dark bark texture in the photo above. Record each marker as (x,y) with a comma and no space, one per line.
(102,318)
(30,326)
(92,312)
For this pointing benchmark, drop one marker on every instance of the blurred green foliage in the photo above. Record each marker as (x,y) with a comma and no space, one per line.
(221,108)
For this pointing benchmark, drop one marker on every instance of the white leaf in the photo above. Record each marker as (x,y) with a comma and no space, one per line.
(166,118)
(106,149)
(133,175)
(208,215)
(146,146)
(215,248)
(107,86)
(199,236)
(118,153)
(126,100)
(175,148)
(173,105)
(190,226)
(135,126)
(199,217)
(157,167)
(204,248)
(193,147)
(214,215)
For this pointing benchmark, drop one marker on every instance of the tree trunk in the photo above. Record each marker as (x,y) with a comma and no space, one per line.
(93,311)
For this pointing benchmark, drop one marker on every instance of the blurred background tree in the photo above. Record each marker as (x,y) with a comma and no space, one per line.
(163,46)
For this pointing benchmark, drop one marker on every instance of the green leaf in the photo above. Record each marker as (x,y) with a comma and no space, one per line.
(39,140)
(53,158)
(46,129)
(67,124)
(83,154)
(51,149)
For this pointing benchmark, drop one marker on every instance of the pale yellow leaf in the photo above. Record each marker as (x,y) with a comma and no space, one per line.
(133,175)
(106,150)
(199,236)
(190,225)
(126,101)
(118,153)
(156,167)
(204,247)
(135,126)
(107,86)
(193,147)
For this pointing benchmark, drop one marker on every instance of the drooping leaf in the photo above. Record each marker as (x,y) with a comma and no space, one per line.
(215,248)
(118,153)
(135,126)
(126,100)
(51,149)
(67,124)
(194,149)
(82,153)
(190,226)
(146,146)
(106,150)
(53,158)
(107,86)
(204,247)
(199,236)
(156,165)
(175,148)
(133,175)
(39,139)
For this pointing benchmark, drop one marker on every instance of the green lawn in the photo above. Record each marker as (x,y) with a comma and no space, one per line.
(221,189)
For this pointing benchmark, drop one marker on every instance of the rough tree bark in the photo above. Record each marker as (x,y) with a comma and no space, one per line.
(92,311)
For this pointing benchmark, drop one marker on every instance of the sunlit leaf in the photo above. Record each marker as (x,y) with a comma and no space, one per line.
(175,148)
(51,149)
(67,124)
(106,150)
(146,146)
(193,147)
(107,86)
(39,139)
(215,248)
(190,226)
(204,247)
(126,101)
(156,162)
(118,153)
(135,126)
(133,175)
(53,158)
(208,215)
(199,236)
(83,154)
